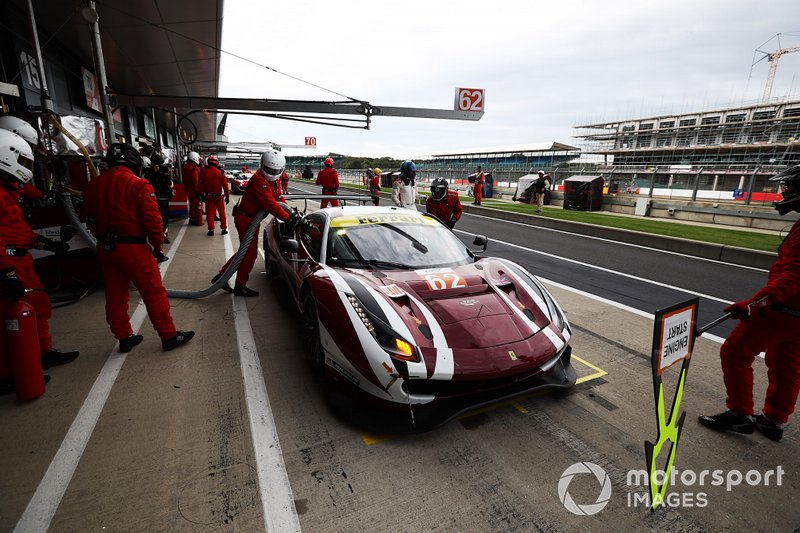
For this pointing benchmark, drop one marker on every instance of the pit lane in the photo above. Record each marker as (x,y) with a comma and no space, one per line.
(173,447)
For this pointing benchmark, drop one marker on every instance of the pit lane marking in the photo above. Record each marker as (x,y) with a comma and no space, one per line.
(370,439)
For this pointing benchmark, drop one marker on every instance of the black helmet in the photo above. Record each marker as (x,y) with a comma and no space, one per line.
(157,159)
(790,179)
(126,155)
(439,188)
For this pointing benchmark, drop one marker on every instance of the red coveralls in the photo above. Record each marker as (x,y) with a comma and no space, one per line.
(285,182)
(214,185)
(260,194)
(191,174)
(448,209)
(478,192)
(772,331)
(329,179)
(16,239)
(120,202)
(375,189)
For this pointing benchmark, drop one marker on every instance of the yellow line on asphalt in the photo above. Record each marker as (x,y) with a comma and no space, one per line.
(599,372)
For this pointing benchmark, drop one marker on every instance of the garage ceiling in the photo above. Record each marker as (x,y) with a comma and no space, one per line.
(163,47)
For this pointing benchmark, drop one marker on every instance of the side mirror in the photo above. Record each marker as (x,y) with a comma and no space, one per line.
(289,246)
(481,240)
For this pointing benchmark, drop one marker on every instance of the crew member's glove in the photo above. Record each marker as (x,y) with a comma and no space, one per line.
(745,308)
(10,286)
(452,223)
(227,200)
(43,243)
(201,197)
(159,255)
(294,218)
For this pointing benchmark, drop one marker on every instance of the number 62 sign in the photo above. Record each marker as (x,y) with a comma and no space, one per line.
(470,100)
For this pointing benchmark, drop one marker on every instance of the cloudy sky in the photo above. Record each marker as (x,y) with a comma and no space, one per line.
(545,66)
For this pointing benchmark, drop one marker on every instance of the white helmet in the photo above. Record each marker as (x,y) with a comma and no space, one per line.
(145,162)
(194,157)
(21,128)
(16,157)
(272,164)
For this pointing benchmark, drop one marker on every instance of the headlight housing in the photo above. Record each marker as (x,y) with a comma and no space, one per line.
(389,340)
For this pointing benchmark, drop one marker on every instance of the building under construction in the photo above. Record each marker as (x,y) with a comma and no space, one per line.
(718,153)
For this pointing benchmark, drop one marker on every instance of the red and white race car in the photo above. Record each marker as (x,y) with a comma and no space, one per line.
(402,316)
(239,183)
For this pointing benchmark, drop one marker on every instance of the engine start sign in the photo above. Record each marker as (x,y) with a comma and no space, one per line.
(673,336)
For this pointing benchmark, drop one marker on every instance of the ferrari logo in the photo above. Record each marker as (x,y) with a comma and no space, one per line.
(512,355)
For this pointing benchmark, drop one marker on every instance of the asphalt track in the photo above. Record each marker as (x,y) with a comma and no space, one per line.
(222,433)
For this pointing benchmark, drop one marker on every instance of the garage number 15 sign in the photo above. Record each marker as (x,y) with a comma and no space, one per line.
(470,100)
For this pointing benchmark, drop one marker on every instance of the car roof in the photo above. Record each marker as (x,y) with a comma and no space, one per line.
(365,210)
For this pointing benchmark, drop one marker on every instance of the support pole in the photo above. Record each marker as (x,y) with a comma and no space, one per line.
(751,185)
(91,16)
(696,184)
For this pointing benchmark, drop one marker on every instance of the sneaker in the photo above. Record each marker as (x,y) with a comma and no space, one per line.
(244,291)
(223,232)
(55,358)
(226,287)
(216,219)
(127,344)
(210,233)
(768,428)
(166,240)
(180,338)
(729,421)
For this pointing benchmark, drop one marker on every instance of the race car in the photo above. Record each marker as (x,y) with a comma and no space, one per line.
(401,316)
(239,183)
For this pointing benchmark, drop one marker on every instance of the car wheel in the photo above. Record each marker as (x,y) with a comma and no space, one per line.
(313,346)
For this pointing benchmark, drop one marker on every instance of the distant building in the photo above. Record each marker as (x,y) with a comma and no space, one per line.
(733,148)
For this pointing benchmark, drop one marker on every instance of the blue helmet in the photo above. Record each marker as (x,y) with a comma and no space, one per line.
(407,167)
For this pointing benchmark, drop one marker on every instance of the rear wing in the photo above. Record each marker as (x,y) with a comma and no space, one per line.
(343,198)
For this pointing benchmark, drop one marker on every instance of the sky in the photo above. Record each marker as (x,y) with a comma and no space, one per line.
(545,66)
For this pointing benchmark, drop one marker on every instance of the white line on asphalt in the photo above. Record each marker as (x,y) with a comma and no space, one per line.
(621,243)
(45,501)
(275,490)
(603,269)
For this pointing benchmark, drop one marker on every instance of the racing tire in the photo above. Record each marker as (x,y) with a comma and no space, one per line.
(310,329)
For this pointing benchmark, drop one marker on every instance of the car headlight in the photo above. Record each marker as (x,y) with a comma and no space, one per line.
(389,340)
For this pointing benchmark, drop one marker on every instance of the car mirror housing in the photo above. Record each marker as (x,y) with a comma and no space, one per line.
(481,240)
(289,246)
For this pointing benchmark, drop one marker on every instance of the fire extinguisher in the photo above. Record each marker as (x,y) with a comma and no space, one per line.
(22,341)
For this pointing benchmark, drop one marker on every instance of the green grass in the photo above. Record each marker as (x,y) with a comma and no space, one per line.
(728,237)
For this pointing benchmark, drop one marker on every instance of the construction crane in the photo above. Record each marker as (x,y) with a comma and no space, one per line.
(772,59)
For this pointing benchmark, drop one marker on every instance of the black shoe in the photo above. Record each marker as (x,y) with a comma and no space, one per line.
(55,358)
(166,240)
(180,338)
(226,287)
(729,421)
(210,233)
(216,219)
(768,428)
(127,344)
(223,232)
(244,291)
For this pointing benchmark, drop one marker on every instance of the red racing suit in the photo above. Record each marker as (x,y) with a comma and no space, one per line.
(214,186)
(329,179)
(191,175)
(375,189)
(480,178)
(771,329)
(284,182)
(16,240)
(448,209)
(122,213)
(260,194)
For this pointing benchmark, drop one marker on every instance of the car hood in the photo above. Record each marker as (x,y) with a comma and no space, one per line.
(478,306)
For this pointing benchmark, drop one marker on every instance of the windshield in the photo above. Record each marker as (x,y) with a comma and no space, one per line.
(392,242)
